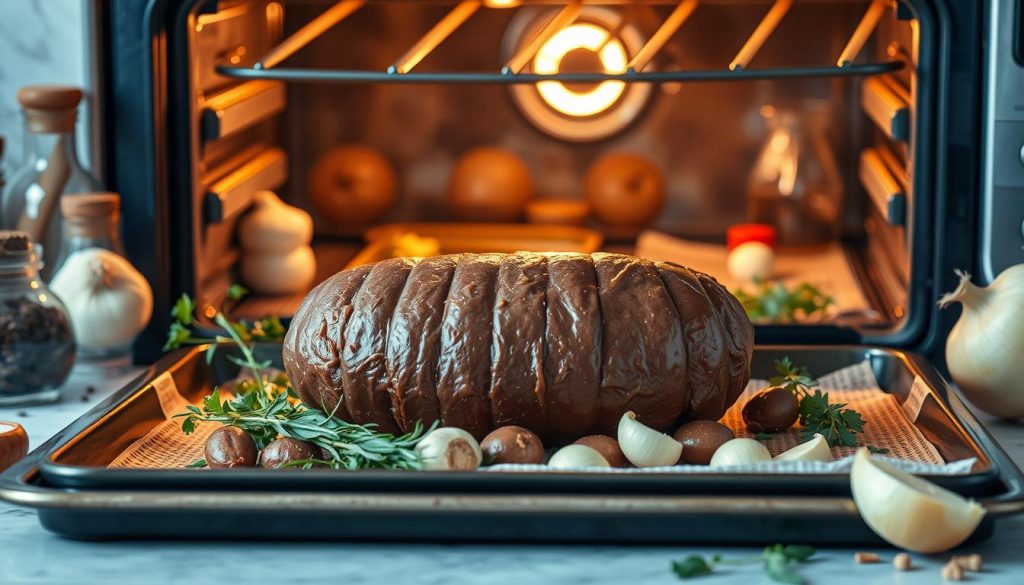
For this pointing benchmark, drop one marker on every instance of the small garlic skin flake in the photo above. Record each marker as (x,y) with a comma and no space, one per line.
(902,562)
(863,558)
(952,571)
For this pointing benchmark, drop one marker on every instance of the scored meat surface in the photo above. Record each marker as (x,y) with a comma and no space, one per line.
(562,344)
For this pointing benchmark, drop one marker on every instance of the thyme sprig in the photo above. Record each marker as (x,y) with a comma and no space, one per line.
(266,406)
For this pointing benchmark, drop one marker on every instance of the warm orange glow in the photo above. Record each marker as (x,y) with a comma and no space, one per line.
(502,3)
(592,38)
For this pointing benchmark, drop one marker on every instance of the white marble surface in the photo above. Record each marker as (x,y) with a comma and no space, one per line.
(42,42)
(28,554)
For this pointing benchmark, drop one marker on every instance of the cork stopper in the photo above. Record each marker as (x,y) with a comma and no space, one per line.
(90,205)
(14,243)
(91,214)
(50,109)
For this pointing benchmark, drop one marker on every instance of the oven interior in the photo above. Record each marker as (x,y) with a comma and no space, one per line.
(704,88)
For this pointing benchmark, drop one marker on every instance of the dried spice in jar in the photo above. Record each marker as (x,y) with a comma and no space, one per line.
(37,348)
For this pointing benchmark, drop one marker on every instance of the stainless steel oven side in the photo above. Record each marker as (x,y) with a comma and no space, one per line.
(1002,187)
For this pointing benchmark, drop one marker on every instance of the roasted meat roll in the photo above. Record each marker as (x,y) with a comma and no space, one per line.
(561,344)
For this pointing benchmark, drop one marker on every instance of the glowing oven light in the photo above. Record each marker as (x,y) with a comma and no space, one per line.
(549,58)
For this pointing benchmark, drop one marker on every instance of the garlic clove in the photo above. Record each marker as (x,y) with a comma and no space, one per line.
(644,446)
(449,449)
(910,512)
(814,450)
(740,452)
(576,456)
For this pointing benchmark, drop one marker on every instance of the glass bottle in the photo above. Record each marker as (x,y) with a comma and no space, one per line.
(37,345)
(795,184)
(31,200)
(91,220)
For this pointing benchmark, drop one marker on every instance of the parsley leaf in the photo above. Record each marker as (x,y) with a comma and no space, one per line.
(837,423)
(691,566)
(774,303)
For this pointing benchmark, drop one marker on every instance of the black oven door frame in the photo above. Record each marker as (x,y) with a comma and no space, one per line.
(147,144)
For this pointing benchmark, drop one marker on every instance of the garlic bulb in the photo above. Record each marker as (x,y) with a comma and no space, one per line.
(575,456)
(108,300)
(910,512)
(814,450)
(740,452)
(275,274)
(275,240)
(750,261)
(644,446)
(449,449)
(274,227)
(985,348)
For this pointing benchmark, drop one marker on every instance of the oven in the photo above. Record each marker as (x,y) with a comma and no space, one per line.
(209,102)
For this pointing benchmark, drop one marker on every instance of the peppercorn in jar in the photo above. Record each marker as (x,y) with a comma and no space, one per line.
(37,348)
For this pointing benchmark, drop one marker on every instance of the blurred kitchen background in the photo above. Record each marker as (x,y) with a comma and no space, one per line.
(46,42)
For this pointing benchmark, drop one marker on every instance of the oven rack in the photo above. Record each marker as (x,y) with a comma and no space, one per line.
(516,69)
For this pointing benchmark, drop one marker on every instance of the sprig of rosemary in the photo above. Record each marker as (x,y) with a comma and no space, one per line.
(267,407)
(271,413)
(836,422)
(772,302)
(778,561)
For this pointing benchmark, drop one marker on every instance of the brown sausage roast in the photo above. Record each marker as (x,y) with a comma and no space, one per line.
(561,344)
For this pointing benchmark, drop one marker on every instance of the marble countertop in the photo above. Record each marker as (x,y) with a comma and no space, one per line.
(29,554)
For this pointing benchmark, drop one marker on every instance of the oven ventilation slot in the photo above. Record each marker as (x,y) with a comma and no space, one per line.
(241,107)
(234,192)
(884,190)
(887,104)
(516,69)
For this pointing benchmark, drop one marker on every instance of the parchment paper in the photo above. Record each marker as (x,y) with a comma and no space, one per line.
(887,427)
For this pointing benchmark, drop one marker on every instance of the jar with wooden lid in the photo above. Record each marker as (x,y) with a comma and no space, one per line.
(91,220)
(31,199)
(37,345)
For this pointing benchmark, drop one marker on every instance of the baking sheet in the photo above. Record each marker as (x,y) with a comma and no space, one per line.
(826,268)
(888,426)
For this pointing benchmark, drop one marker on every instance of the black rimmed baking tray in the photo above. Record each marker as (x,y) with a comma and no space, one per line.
(77,495)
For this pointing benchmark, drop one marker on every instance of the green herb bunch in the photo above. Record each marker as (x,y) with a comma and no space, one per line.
(266,406)
(837,423)
(183,313)
(268,414)
(774,303)
(778,561)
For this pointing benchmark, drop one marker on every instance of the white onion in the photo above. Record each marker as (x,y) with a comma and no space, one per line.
(985,348)
(910,512)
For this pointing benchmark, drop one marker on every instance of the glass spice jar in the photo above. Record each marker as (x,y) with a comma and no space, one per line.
(91,220)
(37,347)
(52,171)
